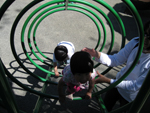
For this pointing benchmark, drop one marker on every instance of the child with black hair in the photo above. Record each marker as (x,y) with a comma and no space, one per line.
(62,54)
(78,75)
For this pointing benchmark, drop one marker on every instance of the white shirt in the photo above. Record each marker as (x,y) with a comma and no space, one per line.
(70,47)
(130,86)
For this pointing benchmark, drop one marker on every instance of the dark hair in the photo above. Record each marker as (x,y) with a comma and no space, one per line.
(81,63)
(61,53)
(147,28)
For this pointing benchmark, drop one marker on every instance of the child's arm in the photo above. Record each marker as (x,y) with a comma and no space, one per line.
(62,96)
(102,79)
(91,86)
(55,69)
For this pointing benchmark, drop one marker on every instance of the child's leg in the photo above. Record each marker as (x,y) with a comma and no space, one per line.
(71,89)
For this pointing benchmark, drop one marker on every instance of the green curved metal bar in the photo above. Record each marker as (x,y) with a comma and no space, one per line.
(23,32)
(51,13)
(12,40)
(27,22)
(38,24)
(37,17)
(74,5)
(30,28)
(106,18)
(121,25)
(111,30)
(104,15)
(117,17)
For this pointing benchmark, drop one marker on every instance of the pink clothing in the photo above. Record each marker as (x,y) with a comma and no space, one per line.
(73,88)
(73,85)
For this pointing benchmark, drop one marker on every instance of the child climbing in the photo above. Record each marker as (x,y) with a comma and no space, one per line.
(62,54)
(77,76)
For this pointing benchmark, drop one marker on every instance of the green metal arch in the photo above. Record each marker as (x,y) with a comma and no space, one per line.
(139,23)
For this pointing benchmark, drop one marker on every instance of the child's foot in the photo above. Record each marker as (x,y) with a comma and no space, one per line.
(69,95)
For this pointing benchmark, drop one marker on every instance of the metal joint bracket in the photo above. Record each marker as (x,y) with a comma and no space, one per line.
(66,4)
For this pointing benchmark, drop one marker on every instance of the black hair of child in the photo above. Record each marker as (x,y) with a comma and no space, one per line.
(81,62)
(61,53)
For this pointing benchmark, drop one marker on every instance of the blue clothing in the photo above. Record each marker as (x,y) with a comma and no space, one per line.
(130,86)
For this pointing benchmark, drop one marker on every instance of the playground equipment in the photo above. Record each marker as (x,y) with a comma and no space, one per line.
(35,18)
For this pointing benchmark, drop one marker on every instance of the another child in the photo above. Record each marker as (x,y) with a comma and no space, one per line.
(62,54)
(78,75)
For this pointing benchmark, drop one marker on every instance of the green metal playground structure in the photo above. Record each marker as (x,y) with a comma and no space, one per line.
(7,97)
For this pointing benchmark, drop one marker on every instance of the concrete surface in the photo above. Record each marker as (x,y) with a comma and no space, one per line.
(64,25)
